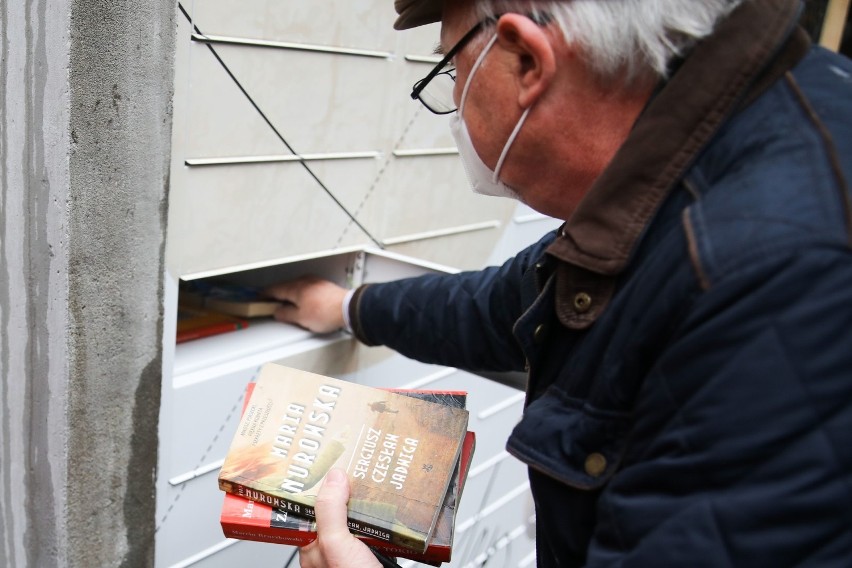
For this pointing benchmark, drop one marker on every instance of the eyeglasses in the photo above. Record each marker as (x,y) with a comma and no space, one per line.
(435,90)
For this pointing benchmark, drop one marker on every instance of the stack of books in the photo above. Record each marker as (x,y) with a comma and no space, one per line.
(195,323)
(407,454)
(211,308)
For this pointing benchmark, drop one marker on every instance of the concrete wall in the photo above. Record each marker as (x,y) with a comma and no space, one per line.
(85,119)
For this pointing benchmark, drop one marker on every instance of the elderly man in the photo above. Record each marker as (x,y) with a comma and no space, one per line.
(687,333)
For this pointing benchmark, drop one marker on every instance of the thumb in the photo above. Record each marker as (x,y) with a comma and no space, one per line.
(330,505)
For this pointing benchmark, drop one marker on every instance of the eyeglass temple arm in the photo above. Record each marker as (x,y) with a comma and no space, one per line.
(541,18)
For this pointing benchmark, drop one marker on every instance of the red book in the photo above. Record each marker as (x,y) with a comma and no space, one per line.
(194,323)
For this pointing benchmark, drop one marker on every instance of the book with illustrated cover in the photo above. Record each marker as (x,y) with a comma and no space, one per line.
(399,452)
(244,519)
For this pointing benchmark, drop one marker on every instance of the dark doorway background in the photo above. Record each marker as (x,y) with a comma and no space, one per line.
(813,18)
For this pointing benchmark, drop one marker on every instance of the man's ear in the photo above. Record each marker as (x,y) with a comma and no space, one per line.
(536,58)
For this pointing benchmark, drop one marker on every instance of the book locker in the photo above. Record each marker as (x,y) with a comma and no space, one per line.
(296,150)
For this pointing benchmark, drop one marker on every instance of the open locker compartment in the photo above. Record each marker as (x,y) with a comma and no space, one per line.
(264,335)
(202,398)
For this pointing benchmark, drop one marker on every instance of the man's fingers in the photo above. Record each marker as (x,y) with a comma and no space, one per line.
(310,302)
(331,505)
(285,291)
(292,290)
(287,313)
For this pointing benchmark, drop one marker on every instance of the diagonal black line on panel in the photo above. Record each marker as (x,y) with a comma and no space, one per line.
(278,134)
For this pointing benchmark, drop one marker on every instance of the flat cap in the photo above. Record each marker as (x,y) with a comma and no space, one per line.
(413,13)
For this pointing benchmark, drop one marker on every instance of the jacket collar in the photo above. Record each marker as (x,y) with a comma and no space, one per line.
(749,50)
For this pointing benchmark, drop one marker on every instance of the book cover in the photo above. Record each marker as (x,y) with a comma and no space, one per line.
(399,452)
(247,520)
(244,519)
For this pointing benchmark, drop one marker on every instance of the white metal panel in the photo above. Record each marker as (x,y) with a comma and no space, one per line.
(319,102)
(464,250)
(421,41)
(296,102)
(364,24)
(218,119)
(240,215)
(419,194)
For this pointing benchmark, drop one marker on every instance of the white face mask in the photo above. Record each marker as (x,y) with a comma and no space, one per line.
(482,179)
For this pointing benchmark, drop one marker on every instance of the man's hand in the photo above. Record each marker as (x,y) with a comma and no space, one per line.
(310,302)
(335,547)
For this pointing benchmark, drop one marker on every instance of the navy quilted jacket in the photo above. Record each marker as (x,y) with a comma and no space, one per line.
(688,332)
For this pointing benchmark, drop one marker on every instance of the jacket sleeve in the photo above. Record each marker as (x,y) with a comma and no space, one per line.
(462,320)
(745,425)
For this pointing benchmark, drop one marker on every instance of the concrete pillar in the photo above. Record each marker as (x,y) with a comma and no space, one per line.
(85,122)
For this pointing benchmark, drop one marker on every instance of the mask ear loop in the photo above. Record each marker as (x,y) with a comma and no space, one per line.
(476,64)
(473,70)
(508,145)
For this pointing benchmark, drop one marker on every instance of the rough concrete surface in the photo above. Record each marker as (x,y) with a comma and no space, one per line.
(85,121)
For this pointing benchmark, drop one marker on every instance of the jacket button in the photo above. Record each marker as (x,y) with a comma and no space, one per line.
(539,333)
(582,302)
(595,464)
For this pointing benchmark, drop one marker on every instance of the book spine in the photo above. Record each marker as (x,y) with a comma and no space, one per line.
(207,331)
(357,526)
(275,535)
(262,534)
(263,498)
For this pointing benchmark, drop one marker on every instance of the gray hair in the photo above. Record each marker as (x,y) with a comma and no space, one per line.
(625,39)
